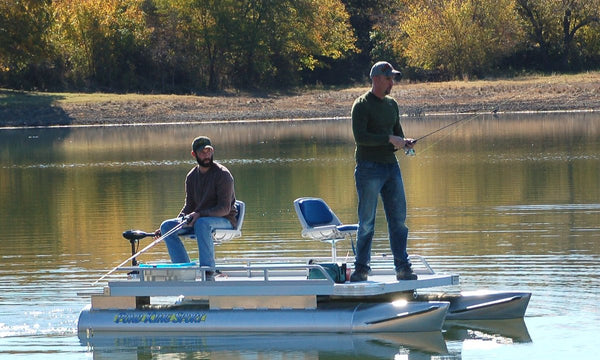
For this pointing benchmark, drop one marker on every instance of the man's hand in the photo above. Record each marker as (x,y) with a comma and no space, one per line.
(400,142)
(192,217)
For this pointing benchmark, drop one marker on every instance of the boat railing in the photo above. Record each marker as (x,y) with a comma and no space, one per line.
(268,271)
(263,272)
(263,269)
(380,264)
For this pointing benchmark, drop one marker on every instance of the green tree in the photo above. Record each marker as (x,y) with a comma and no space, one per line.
(100,41)
(458,37)
(554,26)
(257,43)
(23,42)
(386,36)
(372,44)
(311,33)
(272,40)
(185,43)
(590,49)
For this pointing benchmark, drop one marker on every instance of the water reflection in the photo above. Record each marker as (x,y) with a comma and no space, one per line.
(305,346)
(512,330)
(311,346)
(509,202)
(132,177)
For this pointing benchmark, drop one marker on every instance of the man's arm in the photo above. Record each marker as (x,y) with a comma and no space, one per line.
(397,127)
(189,204)
(397,138)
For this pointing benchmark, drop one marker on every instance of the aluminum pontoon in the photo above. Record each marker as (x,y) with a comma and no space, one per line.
(259,296)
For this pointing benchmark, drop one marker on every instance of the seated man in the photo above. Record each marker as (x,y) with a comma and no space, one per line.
(209,199)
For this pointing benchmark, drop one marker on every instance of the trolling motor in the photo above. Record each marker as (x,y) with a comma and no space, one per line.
(134,236)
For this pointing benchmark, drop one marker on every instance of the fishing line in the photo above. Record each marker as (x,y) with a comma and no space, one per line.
(411,152)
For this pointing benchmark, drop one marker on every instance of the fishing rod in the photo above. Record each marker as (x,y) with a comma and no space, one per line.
(184,221)
(440,129)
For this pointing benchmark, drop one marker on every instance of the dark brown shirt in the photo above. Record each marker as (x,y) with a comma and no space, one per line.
(211,193)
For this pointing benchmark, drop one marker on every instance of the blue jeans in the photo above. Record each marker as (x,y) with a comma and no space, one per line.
(202,228)
(374,179)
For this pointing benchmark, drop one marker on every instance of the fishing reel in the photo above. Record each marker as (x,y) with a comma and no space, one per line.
(410,151)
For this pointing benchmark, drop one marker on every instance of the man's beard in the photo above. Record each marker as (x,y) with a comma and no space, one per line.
(388,90)
(206,163)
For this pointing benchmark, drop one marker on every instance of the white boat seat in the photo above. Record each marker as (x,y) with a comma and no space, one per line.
(222,235)
(319,222)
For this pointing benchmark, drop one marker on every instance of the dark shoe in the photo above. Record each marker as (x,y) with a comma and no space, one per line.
(210,276)
(405,273)
(359,275)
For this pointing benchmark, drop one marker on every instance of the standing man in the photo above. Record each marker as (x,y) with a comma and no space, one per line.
(209,199)
(378,134)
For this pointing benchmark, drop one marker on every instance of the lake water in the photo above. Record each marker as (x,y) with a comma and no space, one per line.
(509,202)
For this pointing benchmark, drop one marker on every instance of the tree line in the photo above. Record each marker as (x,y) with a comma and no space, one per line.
(193,46)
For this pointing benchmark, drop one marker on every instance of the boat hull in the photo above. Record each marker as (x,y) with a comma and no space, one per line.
(343,318)
(483,305)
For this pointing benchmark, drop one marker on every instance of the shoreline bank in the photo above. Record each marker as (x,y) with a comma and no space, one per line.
(246,121)
(559,93)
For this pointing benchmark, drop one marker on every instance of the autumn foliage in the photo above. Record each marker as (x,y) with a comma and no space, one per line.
(191,46)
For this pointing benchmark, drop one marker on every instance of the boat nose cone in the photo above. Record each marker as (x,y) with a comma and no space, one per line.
(401,315)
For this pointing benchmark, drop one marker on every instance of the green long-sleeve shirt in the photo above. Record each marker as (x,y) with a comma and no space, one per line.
(373,121)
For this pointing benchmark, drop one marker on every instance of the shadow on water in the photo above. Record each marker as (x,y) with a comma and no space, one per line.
(30,109)
(31,145)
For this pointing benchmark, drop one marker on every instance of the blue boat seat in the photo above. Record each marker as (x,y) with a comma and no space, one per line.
(222,235)
(319,222)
